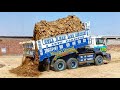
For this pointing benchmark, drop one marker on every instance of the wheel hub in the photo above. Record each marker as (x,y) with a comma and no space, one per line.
(73,64)
(60,66)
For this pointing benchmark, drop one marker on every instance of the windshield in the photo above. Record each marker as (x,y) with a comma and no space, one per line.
(99,41)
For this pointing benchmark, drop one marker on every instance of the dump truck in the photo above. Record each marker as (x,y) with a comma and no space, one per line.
(68,51)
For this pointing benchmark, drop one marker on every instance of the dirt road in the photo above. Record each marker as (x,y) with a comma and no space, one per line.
(111,70)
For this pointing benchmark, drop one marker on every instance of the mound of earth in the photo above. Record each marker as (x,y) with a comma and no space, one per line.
(28,68)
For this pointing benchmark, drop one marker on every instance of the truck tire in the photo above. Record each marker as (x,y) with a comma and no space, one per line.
(59,65)
(72,63)
(99,60)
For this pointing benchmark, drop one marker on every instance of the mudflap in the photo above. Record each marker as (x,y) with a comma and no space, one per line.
(47,65)
(44,65)
(107,58)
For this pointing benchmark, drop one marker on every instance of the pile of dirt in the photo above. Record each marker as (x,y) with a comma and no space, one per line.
(2,65)
(113,48)
(44,29)
(29,68)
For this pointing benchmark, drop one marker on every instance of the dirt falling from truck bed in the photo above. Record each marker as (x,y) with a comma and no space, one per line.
(28,68)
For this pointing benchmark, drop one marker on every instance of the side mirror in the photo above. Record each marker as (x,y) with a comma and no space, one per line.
(87,25)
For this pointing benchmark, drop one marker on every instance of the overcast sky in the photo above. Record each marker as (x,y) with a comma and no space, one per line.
(22,23)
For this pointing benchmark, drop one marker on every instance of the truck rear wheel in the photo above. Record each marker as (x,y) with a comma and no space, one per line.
(99,60)
(72,63)
(59,65)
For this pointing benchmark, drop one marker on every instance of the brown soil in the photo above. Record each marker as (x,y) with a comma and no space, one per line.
(27,68)
(44,29)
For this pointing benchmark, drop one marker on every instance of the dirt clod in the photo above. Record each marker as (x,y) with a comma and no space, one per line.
(2,65)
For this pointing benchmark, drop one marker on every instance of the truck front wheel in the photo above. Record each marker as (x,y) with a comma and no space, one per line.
(72,63)
(99,60)
(59,65)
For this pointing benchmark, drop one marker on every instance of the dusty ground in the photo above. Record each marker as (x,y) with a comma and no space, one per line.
(111,70)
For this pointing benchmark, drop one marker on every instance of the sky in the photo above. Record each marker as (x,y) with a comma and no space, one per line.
(22,23)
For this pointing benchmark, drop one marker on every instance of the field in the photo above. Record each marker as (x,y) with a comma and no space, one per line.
(110,70)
